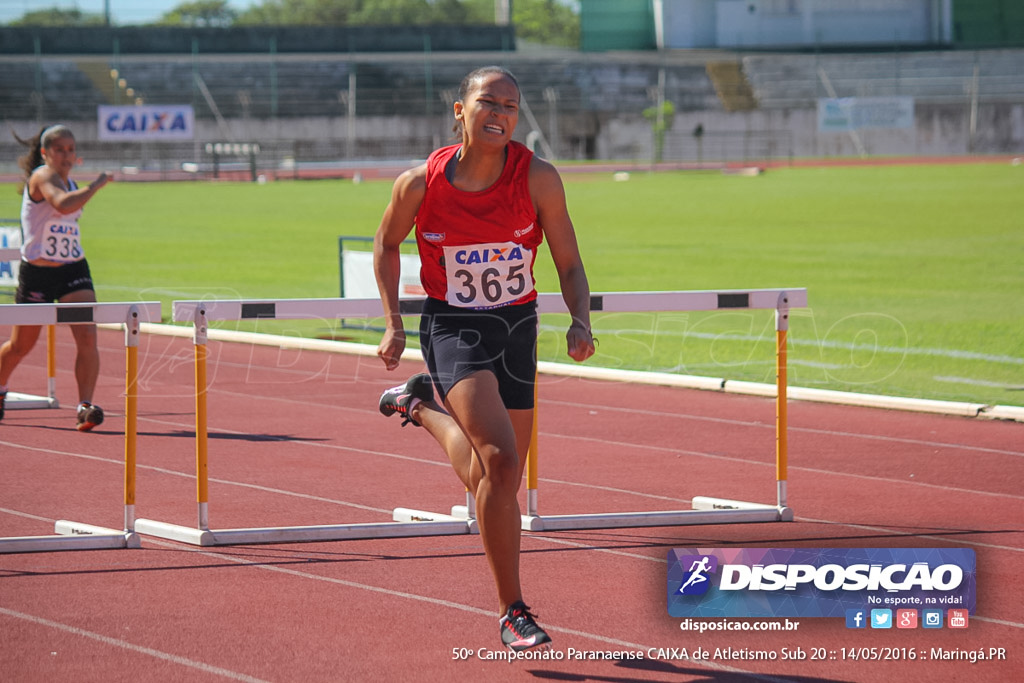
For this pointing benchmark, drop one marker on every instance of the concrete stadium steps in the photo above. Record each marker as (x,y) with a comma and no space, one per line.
(66,94)
(732,86)
(793,80)
(101,76)
(262,86)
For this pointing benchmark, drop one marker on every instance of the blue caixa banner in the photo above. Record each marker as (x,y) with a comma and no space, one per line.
(816,582)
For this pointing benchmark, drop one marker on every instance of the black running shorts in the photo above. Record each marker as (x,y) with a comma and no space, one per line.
(44,285)
(456,342)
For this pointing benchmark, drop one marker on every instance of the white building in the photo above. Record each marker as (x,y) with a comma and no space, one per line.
(753,24)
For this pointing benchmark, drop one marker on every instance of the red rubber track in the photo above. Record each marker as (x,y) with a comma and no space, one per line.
(295,439)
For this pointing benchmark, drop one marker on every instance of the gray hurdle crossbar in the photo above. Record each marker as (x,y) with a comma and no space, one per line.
(75,535)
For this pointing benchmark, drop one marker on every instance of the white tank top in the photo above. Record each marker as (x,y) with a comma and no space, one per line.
(48,234)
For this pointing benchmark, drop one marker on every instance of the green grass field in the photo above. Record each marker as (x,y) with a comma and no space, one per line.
(915,274)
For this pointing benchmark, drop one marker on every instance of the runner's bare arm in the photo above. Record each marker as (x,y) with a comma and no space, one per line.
(396,224)
(46,184)
(548,195)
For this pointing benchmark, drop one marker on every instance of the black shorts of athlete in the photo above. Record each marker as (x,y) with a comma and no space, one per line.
(457,342)
(44,285)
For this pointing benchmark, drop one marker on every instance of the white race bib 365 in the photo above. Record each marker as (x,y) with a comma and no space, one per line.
(487,275)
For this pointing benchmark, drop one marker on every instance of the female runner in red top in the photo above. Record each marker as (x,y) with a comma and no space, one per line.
(480,210)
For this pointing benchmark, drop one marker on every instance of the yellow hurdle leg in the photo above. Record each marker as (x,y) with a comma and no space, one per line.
(531,457)
(131,414)
(781,382)
(51,362)
(131,400)
(202,489)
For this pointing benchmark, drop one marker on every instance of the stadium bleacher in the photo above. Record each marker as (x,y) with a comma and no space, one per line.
(793,80)
(296,105)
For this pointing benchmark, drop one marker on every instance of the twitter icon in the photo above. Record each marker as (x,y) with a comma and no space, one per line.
(881,618)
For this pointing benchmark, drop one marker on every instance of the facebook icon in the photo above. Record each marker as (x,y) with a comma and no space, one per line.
(856,618)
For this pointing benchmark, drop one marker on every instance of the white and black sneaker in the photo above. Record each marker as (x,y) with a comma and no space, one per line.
(400,399)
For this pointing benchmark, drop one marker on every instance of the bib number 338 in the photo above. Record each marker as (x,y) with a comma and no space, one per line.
(486,275)
(60,243)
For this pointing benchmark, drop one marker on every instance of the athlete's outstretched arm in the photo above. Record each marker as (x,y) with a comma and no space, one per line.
(47,182)
(395,226)
(549,198)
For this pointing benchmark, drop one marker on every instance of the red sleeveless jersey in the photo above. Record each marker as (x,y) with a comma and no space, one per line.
(477,249)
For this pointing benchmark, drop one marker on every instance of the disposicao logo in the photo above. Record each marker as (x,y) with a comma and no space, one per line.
(823,582)
(696,581)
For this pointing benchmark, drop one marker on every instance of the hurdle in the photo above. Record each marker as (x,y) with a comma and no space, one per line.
(20,401)
(704,509)
(407,522)
(76,535)
(200,314)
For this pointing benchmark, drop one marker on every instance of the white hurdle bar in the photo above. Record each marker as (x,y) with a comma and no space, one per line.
(76,535)
(200,314)
(20,401)
(705,510)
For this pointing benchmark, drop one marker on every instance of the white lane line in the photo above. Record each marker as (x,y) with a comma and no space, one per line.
(771,425)
(791,467)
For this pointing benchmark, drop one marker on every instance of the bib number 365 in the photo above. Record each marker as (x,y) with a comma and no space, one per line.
(486,275)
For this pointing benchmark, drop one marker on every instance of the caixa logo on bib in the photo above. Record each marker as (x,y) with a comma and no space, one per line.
(816,582)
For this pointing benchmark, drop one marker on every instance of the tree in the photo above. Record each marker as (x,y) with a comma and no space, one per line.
(301,12)
(546,21)
(660,124)
(200,13)
(407,12)
(365,12)
(553,22)
(59,17)
(550,22)
(463,11)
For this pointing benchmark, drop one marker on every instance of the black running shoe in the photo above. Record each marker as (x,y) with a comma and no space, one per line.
(3,398)
(89,416)
(520,632)
(397,400)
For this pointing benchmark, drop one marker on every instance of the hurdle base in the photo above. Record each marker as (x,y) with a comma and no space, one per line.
(705,511)
(622,520)
(709,503)
(301,534)
(129,539)
(174,532)
(72,536)
(459,514)
(462,512)
(16,401)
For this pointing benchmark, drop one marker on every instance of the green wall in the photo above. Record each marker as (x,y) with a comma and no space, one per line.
(616,25)
(988,23)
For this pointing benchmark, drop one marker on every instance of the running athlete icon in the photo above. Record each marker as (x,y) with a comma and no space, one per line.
(697,571)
